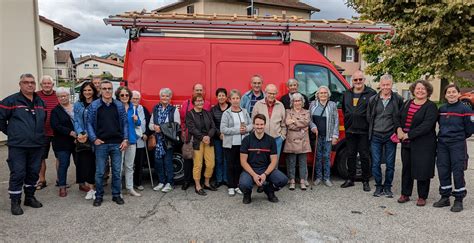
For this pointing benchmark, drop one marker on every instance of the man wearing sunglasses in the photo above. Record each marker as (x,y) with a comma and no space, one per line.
(107,127)
(354,106)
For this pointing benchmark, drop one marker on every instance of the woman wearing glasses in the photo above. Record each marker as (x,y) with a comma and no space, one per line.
(128,156)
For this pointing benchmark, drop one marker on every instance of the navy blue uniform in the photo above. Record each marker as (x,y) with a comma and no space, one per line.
(22,120)
(259,151)
(455,126)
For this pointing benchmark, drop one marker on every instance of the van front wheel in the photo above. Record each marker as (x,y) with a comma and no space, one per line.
(341,165)
(178,167)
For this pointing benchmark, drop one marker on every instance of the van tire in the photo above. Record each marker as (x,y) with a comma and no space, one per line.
(178,167)
(341,165)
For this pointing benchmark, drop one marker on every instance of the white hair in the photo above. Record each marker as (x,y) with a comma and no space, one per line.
(47,77)
(296,96)
(386,77)
(323,87)
(166,91)
(135,92)
(291,81)
(62,90)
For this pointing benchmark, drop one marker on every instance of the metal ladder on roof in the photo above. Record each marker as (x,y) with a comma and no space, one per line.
(143,22)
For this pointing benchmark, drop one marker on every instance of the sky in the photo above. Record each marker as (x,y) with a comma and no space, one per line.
(86,18)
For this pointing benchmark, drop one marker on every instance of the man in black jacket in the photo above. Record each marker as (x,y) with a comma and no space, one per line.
(383,115)
(22,118)
(354,105)
(292,85)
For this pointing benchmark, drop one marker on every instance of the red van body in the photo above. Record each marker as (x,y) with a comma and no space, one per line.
(152,63)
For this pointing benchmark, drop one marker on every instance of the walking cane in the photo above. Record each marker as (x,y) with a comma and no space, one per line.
(148,160)
(314,161)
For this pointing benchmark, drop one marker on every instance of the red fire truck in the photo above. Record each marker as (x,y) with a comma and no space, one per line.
(225,51)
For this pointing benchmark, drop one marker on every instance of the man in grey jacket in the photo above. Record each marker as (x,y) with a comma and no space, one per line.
(255,94)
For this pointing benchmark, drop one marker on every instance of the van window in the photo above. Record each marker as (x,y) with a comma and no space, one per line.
(311,77)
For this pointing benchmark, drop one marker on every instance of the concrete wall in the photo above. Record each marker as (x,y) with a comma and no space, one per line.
(19,44)
(47,43)
(83,72)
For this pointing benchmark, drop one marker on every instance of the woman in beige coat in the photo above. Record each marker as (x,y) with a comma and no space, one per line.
(297,141)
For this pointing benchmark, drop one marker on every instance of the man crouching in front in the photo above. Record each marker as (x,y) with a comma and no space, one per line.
(258,157)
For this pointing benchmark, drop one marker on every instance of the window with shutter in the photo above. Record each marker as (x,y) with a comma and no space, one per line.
(343,54)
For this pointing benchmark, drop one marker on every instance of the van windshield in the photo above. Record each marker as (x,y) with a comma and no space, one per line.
(311,77)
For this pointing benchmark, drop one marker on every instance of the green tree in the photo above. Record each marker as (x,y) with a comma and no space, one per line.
(432,37)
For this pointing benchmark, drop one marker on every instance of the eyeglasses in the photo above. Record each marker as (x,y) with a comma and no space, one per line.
(106,89)
(357,79)
(28,82)
(123,95)
(268,93)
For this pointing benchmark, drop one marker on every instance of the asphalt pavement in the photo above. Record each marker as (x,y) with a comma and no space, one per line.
(321,214)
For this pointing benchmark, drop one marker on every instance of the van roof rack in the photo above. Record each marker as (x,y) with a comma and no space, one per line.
(142,21)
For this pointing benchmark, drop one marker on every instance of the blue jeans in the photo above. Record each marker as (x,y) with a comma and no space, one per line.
(322,159)
(377,144)
(164,167)
(221,162)
(102,152)
(279,142)
(276,180)
(64,158)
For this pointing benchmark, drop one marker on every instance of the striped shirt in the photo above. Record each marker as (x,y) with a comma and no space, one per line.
(50,101)
(412,109)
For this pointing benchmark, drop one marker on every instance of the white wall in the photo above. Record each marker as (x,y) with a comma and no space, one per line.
(83,72)
(19,44)
(47,43)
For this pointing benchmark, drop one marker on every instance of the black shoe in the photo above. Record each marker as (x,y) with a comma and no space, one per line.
(443,202)
(347,183)
(260,189)
(247,198)
(210,188)
(457,206)
(118,200)
(16,207)
(32,202)
(388,192)
(366,186)
(378,191)
(200,192)
(272,198)
(185,186)
(97,202)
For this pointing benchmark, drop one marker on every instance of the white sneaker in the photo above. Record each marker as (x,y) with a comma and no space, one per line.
(231,192)
(167,188)
(90,195)
(159,187)
(328,183)
(132,192)
(238,191)
(317,182)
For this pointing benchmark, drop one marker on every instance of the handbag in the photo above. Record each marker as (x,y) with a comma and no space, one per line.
(151,143)
(187,149)
(85,146)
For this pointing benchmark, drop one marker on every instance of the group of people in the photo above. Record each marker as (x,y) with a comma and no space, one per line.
(238,141)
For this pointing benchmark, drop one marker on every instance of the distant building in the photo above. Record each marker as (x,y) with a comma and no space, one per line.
(241,7)
(114,57)
(93,65)
(340,49)
(52,34)
(65,65)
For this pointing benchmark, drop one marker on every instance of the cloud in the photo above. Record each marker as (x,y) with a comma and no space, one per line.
(86,18)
